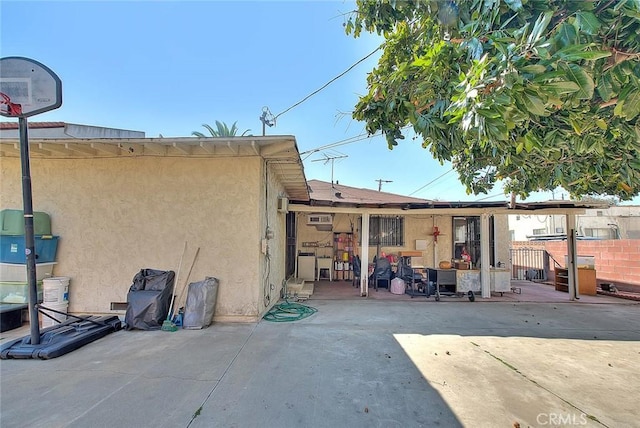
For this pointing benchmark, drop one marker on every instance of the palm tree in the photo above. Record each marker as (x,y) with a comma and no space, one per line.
(222,130)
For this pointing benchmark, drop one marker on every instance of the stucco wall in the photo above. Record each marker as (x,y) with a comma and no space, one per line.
(417,226)
(116,216)
(272,265)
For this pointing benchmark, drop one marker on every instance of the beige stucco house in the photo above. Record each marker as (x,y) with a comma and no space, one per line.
(123,204)
(120,205)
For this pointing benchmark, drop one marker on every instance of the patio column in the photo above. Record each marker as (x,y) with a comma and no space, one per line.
(364,263)
(485,272)
(571,255)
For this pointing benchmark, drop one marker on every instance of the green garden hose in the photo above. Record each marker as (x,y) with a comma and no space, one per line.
(285,312)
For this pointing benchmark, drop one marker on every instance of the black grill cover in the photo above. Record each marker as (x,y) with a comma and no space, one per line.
(149,299)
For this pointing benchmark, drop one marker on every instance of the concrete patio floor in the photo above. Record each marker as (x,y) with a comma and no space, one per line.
(363,362)
(528,291)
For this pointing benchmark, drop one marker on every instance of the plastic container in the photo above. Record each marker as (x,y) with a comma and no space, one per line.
(12,249)
(60,307)
(583,262)
(397,286)
(11,317)
(55,290)
(12,223)
(17,292)
(12,272)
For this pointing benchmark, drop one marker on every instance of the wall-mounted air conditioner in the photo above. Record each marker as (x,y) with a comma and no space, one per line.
(319,219)
(283,204)
(322,222)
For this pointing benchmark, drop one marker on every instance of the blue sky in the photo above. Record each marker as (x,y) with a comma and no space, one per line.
(168,67)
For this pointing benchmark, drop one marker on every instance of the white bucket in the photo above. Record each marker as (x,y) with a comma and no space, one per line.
(60,307)
(55,289)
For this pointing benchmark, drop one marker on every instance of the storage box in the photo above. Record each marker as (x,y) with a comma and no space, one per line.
(17,292)
(583,262)
(12,223)
(417,262)
(12,249)
(10,316)
(12,272)
(461,265)
(410,253)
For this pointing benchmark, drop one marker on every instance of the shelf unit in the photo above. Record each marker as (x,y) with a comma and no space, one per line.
(342,255)
(586,280)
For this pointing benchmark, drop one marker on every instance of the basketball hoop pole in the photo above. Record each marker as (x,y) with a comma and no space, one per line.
(29,239)
(28,88)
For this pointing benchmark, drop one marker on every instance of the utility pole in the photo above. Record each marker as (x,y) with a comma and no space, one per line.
(380,181)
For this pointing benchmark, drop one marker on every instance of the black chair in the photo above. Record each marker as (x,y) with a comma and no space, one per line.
(382,271)
(357,269)
(414,280)
(406,272)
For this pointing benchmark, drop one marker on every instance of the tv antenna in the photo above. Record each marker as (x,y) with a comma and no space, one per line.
(380,181)
(327,158)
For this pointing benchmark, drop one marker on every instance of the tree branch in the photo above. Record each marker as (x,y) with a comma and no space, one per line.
(609,103)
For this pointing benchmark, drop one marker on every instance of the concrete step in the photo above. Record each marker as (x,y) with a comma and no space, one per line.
(307,290)
(294,286)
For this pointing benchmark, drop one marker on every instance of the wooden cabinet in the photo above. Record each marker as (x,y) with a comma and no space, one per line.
(586,280)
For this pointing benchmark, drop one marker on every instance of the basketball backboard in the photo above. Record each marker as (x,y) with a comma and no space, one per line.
(27,87)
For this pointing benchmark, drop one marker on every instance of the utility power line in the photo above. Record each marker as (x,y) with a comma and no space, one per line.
(326,84)
(489,197)
(349,140)
(431,182)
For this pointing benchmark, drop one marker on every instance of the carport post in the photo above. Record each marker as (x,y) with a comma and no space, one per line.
(364,262)
(571,255)
(485,273)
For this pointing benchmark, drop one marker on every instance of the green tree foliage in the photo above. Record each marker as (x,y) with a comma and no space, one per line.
(536,93)
(222,130)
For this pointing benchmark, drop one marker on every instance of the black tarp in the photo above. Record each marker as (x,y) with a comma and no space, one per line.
(148,299)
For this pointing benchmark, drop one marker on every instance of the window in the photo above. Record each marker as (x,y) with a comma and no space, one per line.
(541,231)
(386,231)
(602,233)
